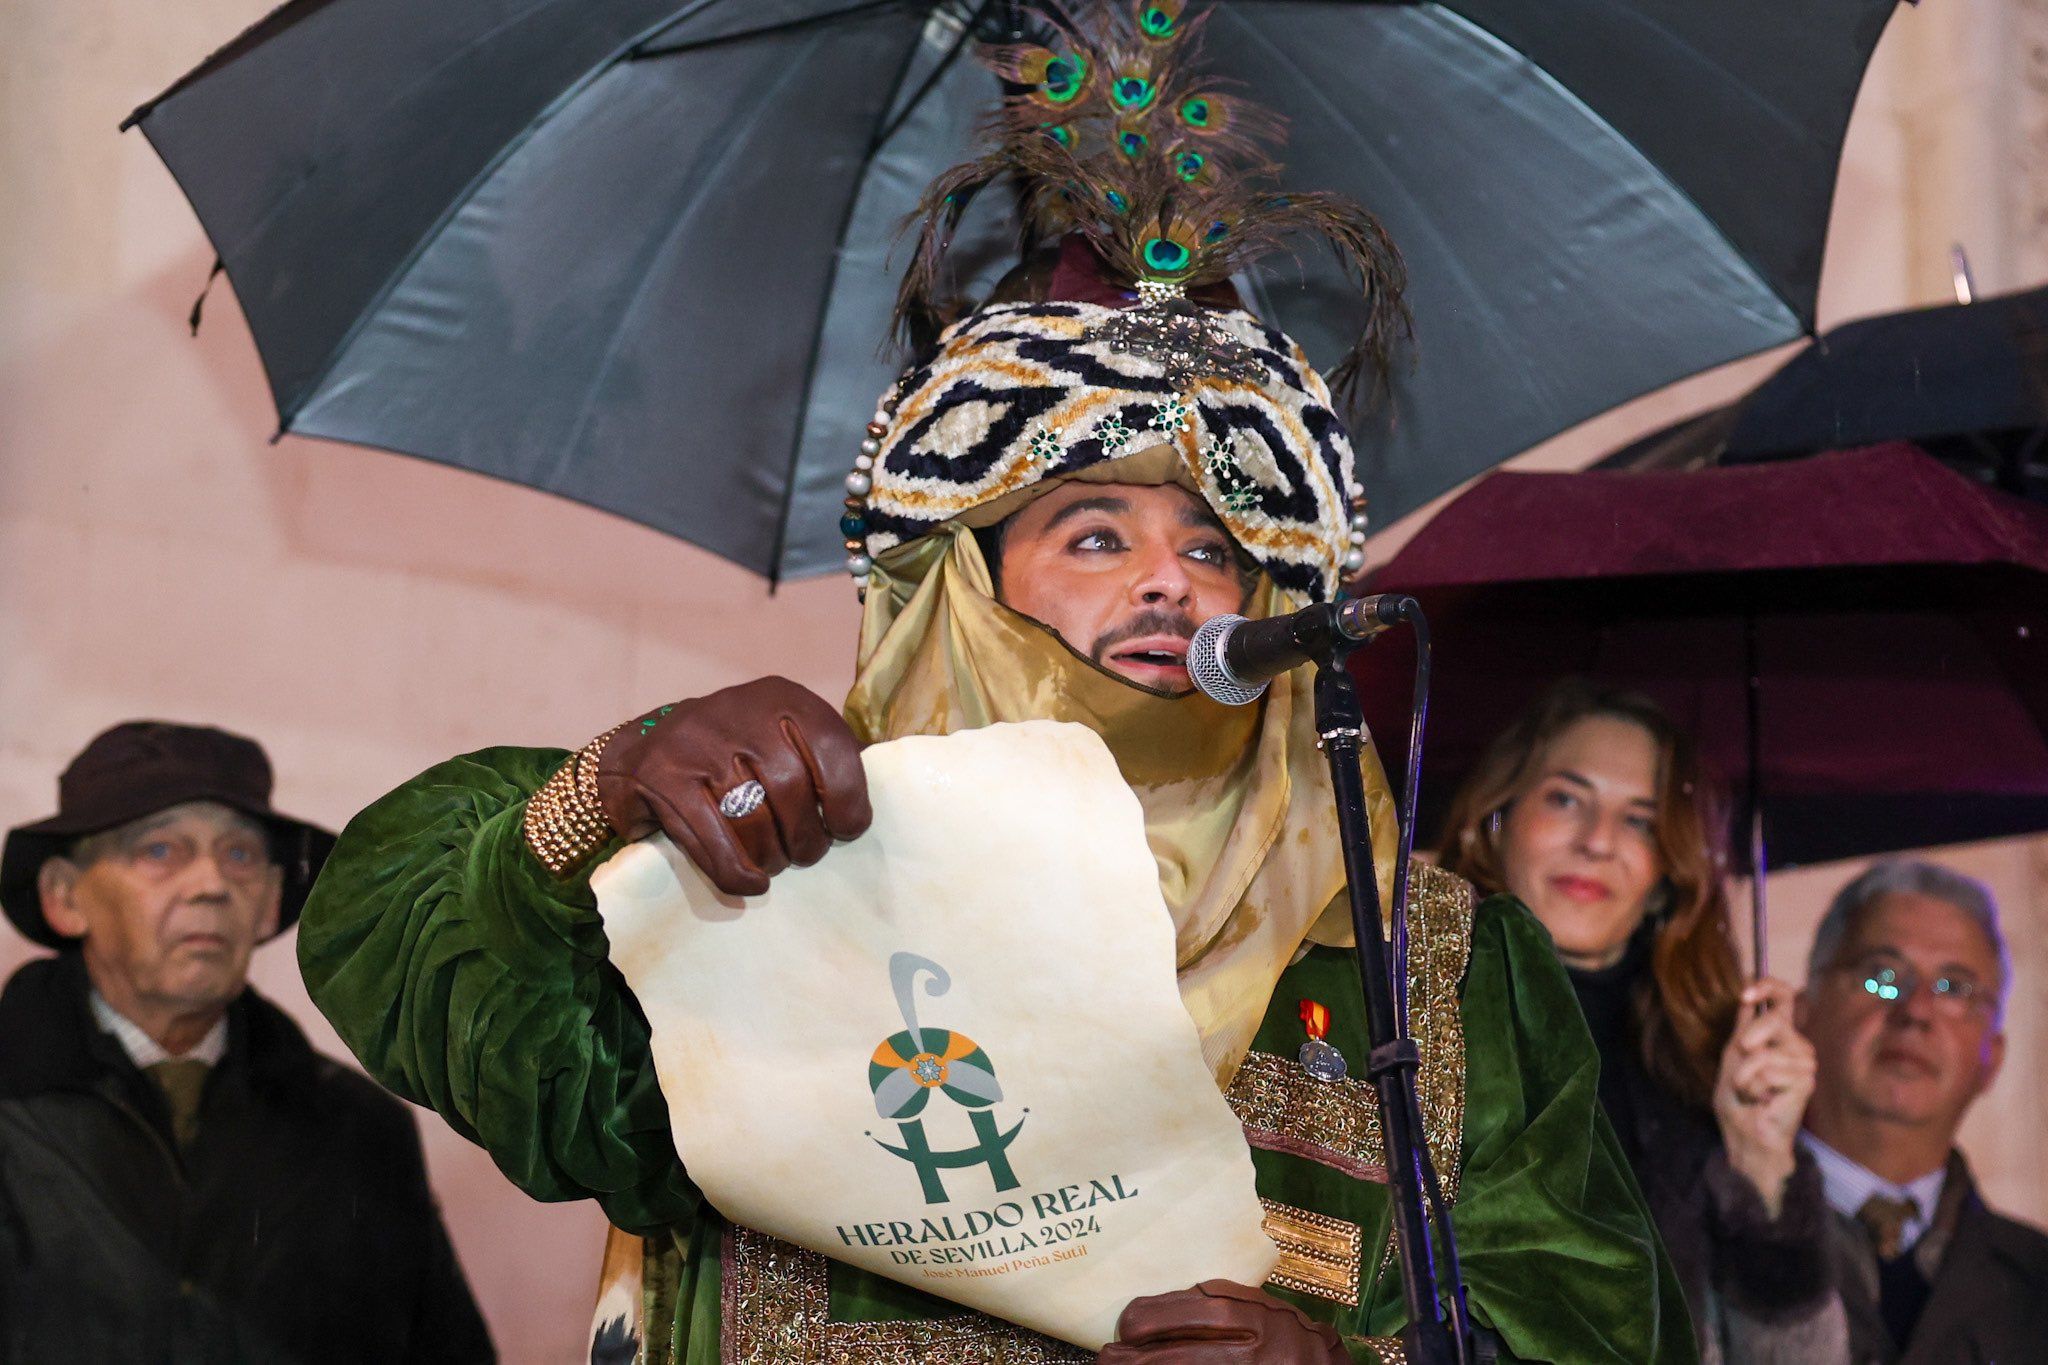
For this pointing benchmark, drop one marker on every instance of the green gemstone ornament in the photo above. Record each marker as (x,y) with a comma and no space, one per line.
(1171,415)
(1113,434)
(1239,493)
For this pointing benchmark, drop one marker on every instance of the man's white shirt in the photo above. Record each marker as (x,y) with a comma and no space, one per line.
(1848,1186)
(144,1050)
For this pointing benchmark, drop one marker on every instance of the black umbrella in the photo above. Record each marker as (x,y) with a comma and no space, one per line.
(635,252)
(1967,382)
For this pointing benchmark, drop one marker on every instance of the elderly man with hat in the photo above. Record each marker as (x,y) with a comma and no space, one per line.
(1060,489)
(181,1176)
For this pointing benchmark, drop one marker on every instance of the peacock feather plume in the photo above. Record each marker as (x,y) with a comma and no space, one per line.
(1109,131)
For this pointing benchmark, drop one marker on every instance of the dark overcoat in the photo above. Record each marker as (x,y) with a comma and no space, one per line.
(1988,1303)
(297,1227)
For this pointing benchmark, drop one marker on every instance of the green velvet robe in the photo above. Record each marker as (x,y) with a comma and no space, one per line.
(468,979)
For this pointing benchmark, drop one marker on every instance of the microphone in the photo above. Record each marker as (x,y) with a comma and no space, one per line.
(1231,659)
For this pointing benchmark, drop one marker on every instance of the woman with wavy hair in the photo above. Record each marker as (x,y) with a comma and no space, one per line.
(1594,810)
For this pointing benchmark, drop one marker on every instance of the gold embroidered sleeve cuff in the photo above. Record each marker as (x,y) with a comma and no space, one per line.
(565,822)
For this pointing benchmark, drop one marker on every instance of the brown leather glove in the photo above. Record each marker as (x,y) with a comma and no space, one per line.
(1220,1323)
(668,769)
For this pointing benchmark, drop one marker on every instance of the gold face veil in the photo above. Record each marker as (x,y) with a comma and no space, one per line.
(1238,811)
(1128,360)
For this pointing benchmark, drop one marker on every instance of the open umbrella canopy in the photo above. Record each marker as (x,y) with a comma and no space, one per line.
(1912,376)
(1894,614)
(637,252)
(1968,382)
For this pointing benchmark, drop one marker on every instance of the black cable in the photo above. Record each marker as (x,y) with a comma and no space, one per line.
(1410,611)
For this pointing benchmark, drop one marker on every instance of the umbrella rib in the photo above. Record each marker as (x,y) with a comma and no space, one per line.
(1621,13)
(1495,325)
(640,293)
(796,443)
(255,35)
(771,31)
(455,206)
(944,65)
(1749,95)
(1479,299)
(306,177)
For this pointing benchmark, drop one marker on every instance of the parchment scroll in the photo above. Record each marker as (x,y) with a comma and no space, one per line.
(952,1052)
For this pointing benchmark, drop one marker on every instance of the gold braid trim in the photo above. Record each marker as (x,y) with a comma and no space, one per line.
(1337,1123)
(565,822)
(775,1299)
(1319,1255)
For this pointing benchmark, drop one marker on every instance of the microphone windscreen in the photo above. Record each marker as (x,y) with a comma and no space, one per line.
(1211,671)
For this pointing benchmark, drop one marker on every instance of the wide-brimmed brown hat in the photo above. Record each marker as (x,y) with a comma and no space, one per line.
(141,767)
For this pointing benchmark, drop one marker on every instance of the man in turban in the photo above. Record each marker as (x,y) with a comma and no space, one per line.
(1074,477)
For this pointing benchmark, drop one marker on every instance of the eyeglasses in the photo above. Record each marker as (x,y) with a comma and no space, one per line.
(1893,984)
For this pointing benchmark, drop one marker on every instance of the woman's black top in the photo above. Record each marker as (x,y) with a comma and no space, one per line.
(1758,1287)
(1646,1117)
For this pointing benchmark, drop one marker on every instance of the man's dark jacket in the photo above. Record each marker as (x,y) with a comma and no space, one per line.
(1989,1275)
(298,1227)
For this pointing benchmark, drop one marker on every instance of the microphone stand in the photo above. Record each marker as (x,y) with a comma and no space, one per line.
(1394,1059)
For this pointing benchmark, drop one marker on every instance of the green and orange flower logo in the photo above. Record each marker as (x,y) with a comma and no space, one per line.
(908,1067)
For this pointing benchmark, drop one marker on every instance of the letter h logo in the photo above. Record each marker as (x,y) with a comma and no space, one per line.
(910,1065)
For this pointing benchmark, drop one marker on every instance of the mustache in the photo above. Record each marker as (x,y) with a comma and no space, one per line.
(1151,621)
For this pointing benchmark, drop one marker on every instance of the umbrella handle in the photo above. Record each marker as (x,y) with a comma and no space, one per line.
(1759,940)
(1759,856)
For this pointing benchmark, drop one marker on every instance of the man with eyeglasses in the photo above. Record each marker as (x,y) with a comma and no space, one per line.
(1904,1003)
(182,1177)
